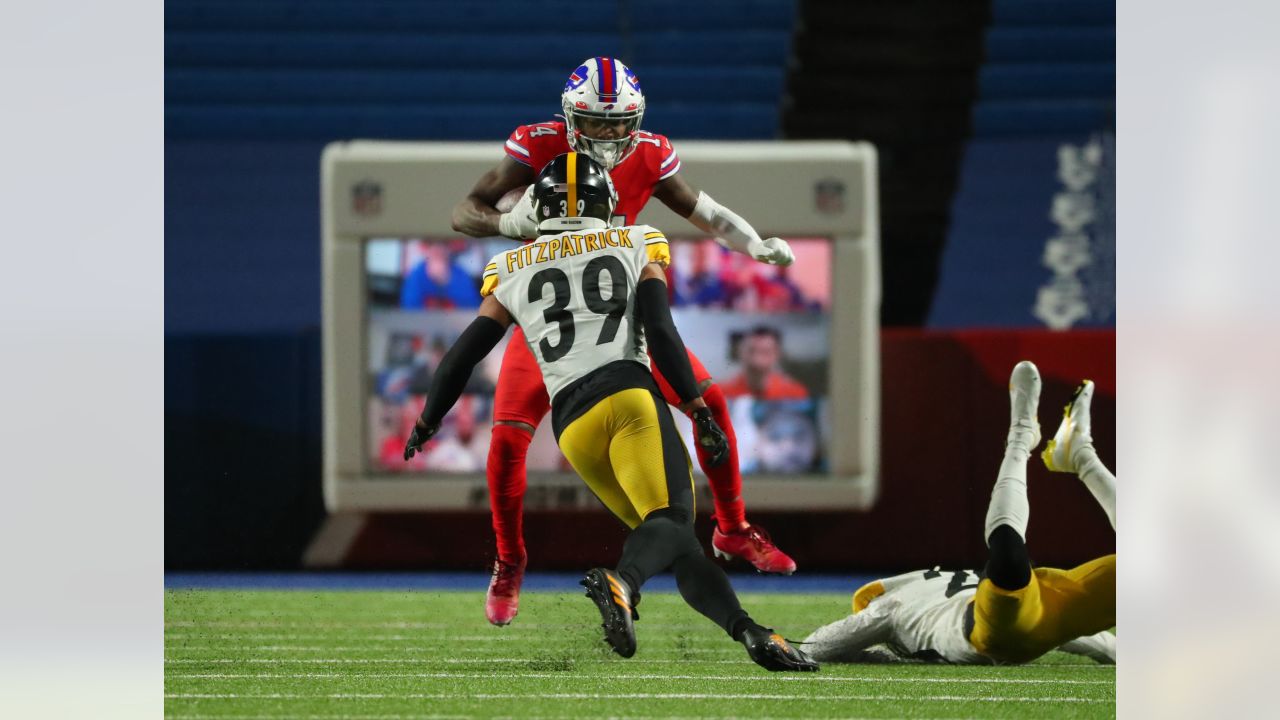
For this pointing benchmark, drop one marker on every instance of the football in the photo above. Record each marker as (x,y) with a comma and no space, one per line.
(508,201)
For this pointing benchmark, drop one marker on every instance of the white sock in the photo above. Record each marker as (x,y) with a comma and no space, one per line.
(1009,504)
(1098,479)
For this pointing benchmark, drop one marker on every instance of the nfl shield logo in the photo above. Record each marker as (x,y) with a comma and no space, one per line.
(828,196)
(366,198)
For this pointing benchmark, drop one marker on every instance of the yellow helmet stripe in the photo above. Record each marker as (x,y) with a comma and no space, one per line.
(571,169)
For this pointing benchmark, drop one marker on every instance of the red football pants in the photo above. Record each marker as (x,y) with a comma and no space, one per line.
(521,397)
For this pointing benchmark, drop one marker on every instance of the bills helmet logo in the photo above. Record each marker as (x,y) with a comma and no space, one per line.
(578,77)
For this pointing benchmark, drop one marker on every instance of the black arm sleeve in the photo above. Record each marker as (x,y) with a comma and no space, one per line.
(455,368)
(665,344)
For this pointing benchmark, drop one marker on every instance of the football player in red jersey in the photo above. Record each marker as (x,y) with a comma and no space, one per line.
(603,107)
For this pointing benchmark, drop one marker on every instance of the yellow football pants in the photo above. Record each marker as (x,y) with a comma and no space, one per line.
(628,451)
(1056,606)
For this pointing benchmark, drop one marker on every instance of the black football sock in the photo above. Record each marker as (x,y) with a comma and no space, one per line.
(1008,565)
(666,540)
(706,588)
(650,549)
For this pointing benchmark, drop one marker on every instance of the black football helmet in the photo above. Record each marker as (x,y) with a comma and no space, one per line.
(573,186)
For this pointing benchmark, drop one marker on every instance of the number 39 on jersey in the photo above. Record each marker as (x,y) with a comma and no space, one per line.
(572,293)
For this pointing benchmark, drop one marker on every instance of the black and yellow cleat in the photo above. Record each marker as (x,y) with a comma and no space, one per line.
(771,651)
(612,597)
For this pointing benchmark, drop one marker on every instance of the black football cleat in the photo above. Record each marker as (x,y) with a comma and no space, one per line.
(771,651)
(613,599)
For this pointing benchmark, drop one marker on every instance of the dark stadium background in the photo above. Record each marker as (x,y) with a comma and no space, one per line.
(968,103)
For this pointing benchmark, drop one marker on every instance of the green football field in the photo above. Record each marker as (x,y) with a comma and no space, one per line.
(401,655)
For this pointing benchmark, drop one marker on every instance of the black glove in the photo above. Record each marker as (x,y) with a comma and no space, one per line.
(421,433)
(710,437)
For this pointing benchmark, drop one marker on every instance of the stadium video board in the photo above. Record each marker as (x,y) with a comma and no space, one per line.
(761,333)
(795,349)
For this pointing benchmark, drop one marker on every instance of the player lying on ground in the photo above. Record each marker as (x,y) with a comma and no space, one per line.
(1013,613)
(603,107)
(588,298)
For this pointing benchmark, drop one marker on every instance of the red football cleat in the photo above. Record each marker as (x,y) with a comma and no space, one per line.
(502,602)
(753,545)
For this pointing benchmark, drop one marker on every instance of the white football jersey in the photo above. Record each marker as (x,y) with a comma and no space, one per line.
(920,615)
(928,610)
(573,294)
(915,615)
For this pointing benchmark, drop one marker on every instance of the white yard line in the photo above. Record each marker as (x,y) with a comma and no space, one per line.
(445,637)
(398,624)
(418,661)
(624,696)
(526,661)
(314,623)
(467,717)
(319,717)
(639,676)
(441,635)
(407,651)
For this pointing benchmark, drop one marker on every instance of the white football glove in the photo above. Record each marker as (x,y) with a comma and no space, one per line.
(519,223)
(772,251)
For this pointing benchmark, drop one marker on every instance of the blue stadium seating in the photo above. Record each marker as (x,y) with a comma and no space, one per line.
(1061,44)
(1040,117)
(1048,81)
(1058,13)
(663,84)
(435,16)
(445,122)
(449,15)
(291,69)
(1050,68)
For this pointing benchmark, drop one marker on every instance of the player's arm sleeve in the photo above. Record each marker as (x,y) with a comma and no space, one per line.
(665,345)
(847,640)
(454,371)
(517,146)
(1100,647)
(729,228)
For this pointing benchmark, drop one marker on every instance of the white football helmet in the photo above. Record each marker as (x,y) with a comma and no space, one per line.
(602,89)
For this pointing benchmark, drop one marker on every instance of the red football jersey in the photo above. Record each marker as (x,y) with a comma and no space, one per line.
(649,162)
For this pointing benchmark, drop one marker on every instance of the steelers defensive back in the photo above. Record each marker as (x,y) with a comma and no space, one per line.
(590,298)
